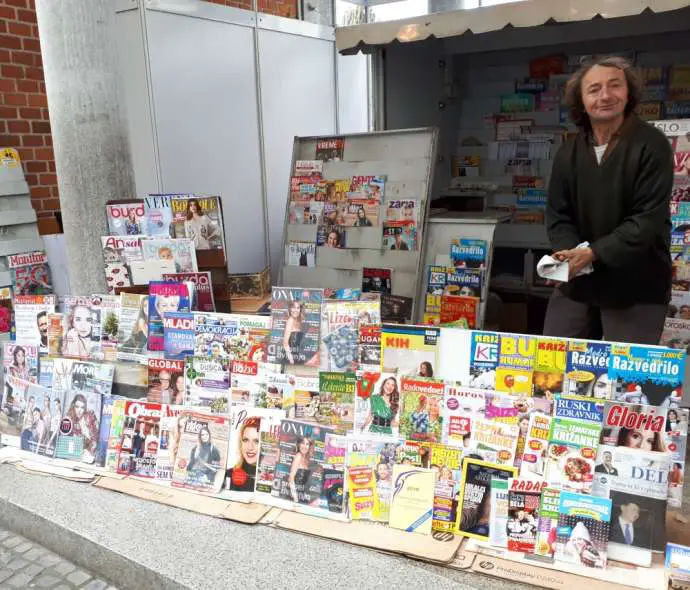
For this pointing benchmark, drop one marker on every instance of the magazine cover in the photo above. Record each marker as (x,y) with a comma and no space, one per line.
(104,431)
(676,443)
(340,332)
(361,212)
(269,454)
(166,381)
(524,496)
(139,439)
(550,365)
(158,215)
(637,483)
(331,235)
(536,444)
(31,319)
(498,519)
(329,149)
(412,501)
(45,372)
(474,503)
(7,328)
(30,416)
(245,446)
(202,455)
(117,419)
(634,426)
(232,336)
(198,219)
(514,409)
(446,463)
(583,529)
(335,404)
(676,334)
(81,325)
(125,219)
(164,298)
(461,407)
(133,328)
(494,442)
(515,364)
(409,350)
(377,405)
(178,335)
(370,461)
(248,383)
(400,235)
(547,523)
(466,282)
(121,249)
(169,437)
(203,288)
(334,491)
(30,273)
(587,369)
(484,360)
(299,472)
(207,384)
(300,254)
(377,280)
(573,440)
(396,309)
(179,251)
(421,403)
(435,288)
(295,332)
(20,361)
(369,347)
(107,309)
(458,312)
(466,253)
(309,168)
(304,210)
(646,375)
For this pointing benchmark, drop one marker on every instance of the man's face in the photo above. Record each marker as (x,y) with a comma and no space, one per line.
(685,312)
(165,379)
(604,93)
(43,325)
(630,512)
(607,458)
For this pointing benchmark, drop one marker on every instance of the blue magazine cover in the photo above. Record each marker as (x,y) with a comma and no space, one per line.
(647,375)
(178,335)
(466,282)
(164,297)
(484,359)
(587,368)
(468,253)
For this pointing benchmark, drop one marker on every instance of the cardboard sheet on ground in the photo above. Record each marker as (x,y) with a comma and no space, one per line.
(514,566)
(54,470)
(439,548)
(245,513)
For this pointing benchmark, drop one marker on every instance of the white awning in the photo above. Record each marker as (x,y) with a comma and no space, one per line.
(528,13)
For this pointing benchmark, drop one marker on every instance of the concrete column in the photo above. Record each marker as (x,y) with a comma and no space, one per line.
(92,155)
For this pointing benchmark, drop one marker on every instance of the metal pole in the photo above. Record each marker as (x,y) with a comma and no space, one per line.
(90,141)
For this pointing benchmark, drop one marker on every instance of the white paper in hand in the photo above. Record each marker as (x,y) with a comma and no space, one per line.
(553,270)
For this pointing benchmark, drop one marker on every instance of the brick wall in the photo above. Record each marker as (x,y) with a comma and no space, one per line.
(287,8)
(24,121)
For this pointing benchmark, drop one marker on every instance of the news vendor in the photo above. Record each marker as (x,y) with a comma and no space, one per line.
(611,187)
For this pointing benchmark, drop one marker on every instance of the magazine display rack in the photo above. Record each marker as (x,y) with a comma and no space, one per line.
(407,159)
(17,217)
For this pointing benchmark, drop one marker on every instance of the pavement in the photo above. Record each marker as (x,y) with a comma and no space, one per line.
(25,564)
(144,545)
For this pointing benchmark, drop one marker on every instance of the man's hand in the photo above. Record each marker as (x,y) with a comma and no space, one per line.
(577,259)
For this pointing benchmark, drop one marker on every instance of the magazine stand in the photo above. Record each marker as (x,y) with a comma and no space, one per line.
(407,158)
(17,216)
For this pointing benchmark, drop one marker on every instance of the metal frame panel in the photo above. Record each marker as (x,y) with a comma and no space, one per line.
(342,268)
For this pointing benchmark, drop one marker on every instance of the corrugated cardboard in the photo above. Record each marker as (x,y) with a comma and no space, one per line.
(245,513)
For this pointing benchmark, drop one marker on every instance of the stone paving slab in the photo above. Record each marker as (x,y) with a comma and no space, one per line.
(26,564)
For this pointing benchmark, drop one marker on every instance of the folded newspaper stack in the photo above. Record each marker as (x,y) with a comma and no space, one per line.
(555,270)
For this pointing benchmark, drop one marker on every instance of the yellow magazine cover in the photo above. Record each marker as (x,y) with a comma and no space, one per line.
(549,367)
(516,356)
(413,499)
(447,463)
(362,497)
(410,350)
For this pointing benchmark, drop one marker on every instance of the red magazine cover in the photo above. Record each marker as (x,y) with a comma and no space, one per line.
(459,311)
